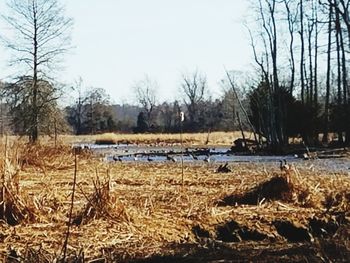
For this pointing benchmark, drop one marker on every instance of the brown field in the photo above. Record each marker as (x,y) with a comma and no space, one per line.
(198,139)
(130,212)
(215,138)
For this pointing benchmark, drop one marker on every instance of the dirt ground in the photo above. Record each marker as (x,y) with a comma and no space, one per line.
(149,212)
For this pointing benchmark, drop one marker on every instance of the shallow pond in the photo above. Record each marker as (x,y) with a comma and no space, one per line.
(135,153)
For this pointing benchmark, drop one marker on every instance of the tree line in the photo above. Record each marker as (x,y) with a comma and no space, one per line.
(92,111)
(299,87)
(300,49)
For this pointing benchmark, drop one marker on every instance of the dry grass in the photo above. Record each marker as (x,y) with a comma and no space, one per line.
(215,138)
(136,210)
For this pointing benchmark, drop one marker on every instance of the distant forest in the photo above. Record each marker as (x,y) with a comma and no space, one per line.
(298,88)
(93,112)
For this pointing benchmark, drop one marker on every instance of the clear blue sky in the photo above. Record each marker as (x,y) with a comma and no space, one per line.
(118,42)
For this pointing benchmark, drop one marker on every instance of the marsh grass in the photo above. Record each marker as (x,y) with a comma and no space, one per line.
(216,138)
(14,206)
(130,210)
(101,203)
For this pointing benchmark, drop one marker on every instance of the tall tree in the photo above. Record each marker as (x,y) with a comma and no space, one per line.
(328,78)
(302,50)
(291,18)
(40,36)
(194,88)
(18,96)
(91,112)
(146,96)
(268,16)
(317,31)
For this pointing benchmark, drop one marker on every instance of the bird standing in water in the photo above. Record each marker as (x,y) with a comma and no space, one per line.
(171,158)
(117,158)
(207,159)
(193,156)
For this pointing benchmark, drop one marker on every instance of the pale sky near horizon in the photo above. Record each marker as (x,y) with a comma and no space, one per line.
(119,42)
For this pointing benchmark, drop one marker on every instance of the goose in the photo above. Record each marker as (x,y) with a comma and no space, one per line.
(117,158)
(171,158)
(223,168)
(284,166)
(309,155)
(193,156)
(207,159)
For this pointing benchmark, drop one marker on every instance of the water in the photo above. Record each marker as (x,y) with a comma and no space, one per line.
(216,155)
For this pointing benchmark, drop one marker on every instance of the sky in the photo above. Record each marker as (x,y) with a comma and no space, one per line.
(117,43)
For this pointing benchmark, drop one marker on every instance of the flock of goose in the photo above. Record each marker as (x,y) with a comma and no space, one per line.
(215,155)
(172,158)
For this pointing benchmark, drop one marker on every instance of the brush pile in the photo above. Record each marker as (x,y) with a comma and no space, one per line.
(276,188)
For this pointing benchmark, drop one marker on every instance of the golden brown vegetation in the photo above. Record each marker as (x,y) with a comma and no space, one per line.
(129,210)
(215,138)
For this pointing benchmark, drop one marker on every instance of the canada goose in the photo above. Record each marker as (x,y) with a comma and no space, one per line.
(193,156)
(306,156)
(171,158)
(207,159)
(309,155)
(223,168)
(284,166)
(117,158)
(149,159)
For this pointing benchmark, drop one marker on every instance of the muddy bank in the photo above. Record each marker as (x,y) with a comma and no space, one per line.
(325,251)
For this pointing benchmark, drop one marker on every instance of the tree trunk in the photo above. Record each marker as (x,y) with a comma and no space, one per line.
(34,126)
(302,51)
(311,80)
(291,22)
(328,80)
(316,58)
(339,75)
(241,128)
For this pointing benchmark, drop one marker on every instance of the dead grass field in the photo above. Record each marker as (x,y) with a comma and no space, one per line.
(215,138)
(129,211)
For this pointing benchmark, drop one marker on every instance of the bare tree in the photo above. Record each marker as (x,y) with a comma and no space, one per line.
(302,50)
(342,8)
(234,91)
(268,11)
(78,110)
(146,95)
(40,36)
(91,112)
(309,34)
(291,18)
(328,80)
(97,102)
(194,87)
(316,48)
